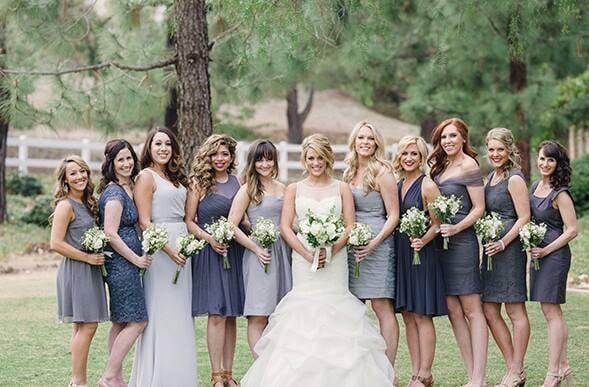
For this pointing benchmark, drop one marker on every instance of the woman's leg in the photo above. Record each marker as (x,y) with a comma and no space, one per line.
(500,331)
(556,338)
(255,327)
(80,347)
(120,348)
(479,335)
(521,334)
(412,336)
(216,341)
(229,346)
(389,327)
(427,344)
(461,332)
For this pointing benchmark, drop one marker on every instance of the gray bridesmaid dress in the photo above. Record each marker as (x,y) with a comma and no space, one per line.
(81,296)
(460,263)
(377,271)
(549,283)
(506,282)
(263,291)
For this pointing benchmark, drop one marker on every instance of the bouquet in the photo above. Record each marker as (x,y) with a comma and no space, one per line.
(531,235)
(414,223)
(360,236)
(94,241)
(222,231)
(187,245)
(266,233)
(489,229)
(155,238)
(445,208)
(321,231)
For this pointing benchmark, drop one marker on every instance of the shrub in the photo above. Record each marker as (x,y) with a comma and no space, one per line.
(39,212)
(24,185)
(580,184)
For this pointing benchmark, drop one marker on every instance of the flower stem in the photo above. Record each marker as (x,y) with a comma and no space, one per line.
(357,270)
(226,263)
(446,242)
(536,264)
(489,263)
(266,267)
(416,260)
(103,270)
(175,280)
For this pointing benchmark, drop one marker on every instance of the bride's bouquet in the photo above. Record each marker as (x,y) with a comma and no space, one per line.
(266,233)
(360,236)
(94,241)
(489,229)
(445,208)
(222,231)
(155,238)
(187,245)
(531,235)
(321,231)
(414,223)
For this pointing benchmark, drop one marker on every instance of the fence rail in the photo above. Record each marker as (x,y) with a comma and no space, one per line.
(23,160)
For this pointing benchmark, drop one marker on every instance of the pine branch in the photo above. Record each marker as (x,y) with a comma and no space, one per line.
(100,66)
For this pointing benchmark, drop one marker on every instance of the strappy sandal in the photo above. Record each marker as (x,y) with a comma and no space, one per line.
(72,384)
(555,375)
(217,377)
(511,380)
(566,376)
(427,382)
(228,377)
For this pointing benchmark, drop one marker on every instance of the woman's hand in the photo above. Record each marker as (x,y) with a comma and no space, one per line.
(493,248)
(417,244)
(363,252)
(143,262)
(538,252)
(96,259)
(220,248)
(178,258)
(264,256)
(448,230)
(322,257)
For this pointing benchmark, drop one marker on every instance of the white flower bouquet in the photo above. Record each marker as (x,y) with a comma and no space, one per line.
(155,238)
(489,229)
(445,208)
(531,235)
(94,241)
(414,223)
(187,245)
(266,233)
(222,231)
(360,236)
(321,231)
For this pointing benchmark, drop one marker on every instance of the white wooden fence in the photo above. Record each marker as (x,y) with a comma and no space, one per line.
(86,149)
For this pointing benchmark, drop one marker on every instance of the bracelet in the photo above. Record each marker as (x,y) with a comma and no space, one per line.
(502,245)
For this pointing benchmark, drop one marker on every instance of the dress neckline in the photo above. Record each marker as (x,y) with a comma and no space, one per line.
(420,177)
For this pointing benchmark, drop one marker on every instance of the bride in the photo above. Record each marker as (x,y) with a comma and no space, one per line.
(319,334)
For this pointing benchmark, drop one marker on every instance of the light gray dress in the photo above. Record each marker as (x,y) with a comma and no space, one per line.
(80,288)
(377,271)
(263,291)
(166,352)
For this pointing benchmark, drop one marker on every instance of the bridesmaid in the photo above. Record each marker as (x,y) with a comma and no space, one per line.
(506,193)
(218,292)
(261,195)
(118,216)
(81,298)
(420,288)
(552,204)
(456,171)
(374,188)
(165,354)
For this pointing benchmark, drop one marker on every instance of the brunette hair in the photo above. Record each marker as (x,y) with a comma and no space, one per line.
(561,177)
(174,170)
(202,173)
(111,150)
(260,149)
(438,158)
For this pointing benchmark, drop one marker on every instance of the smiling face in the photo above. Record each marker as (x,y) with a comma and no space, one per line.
(76,177)
(221,160)
(314,163)
(264,167)
(497,153)
(161,149)
(546,165)
(451,140)
(123,164)
(410,158)
(365,143)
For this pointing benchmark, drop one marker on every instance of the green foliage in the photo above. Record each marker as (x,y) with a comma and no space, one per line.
(580,184)
(24,185)
(38,213)
(572,101)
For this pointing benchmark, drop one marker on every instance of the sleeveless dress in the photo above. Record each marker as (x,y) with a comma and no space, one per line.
(127,299)
(165,354)
(319,334)
(264,290)
(507,281)
(217,291)
(460,263)
(377,271)
(80,288)
(420,288)
(549,283)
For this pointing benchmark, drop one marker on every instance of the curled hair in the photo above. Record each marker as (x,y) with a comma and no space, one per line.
(402,146)
(260,149)
(174,169)
(62,188)
(202,173)
(561,177)
(376,163)
(320,144)
(111,150)
(438,158)
(505,136)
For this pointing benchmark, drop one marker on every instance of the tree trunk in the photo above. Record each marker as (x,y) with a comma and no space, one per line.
(427,128)
(294,118)
(518,78)
(4,98)
(195,123)
(171,113)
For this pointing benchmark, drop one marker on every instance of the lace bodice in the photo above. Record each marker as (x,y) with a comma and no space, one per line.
(319,200)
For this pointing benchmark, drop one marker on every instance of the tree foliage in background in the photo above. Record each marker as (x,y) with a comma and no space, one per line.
(572,103)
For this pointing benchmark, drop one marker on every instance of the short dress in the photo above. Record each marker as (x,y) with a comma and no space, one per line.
(548,284)
(506,282)
(460,263)
(81,296)
(127,298)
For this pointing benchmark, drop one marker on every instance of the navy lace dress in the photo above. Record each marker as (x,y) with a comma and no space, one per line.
(127,299)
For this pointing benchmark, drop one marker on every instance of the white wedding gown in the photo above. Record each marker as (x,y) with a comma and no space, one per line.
(319,334)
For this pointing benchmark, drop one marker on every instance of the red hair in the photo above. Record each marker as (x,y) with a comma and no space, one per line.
(438,158)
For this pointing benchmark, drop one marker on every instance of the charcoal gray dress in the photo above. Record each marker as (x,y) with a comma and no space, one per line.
(506,282)
(549,283)
(377,271)
(263,291)
(460,263)
(81,296)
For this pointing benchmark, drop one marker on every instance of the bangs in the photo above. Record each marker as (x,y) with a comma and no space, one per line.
(265,150)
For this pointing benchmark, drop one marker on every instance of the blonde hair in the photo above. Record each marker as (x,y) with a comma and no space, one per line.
(202,174)
(404,144)
(62,188)
(259,150)
(375,165)
(320,144)
(505,136)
